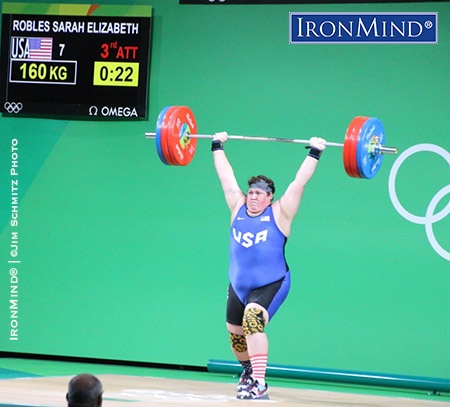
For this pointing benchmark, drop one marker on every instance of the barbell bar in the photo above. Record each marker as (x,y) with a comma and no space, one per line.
(176,140)
(253,138)
(382,149)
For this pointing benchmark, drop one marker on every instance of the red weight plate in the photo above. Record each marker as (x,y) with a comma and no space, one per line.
(180,126)
(186,125)
(350,145)
(165,129)
(170,136)
(349,158)
(346,157)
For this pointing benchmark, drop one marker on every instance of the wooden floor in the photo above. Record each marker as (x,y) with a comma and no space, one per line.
(142,391)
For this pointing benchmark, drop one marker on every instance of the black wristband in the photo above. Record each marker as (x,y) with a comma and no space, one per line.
(216,145)
(315,153)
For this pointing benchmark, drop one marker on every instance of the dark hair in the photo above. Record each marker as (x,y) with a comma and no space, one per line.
(84,390)
(256,178)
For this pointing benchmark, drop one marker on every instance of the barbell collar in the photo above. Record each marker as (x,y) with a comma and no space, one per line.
(385,150)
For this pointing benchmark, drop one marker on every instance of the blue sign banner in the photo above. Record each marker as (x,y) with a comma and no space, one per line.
(363,28)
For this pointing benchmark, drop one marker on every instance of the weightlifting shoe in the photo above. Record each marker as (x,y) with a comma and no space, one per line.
(245,381)
(255,391)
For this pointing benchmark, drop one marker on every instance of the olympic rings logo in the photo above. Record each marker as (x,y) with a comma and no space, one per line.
(430,217)
(13,107)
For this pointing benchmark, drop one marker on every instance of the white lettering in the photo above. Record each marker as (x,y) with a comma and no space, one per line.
(349,31)
(30,25)
(367,31)
(248,239)
(119,111)
(19,48)
(310,26)
(261,236)
(410,29)
(396,28)
(13,304)
(332,29)
(68,26)
(360,28)
(237,236)
(102,27)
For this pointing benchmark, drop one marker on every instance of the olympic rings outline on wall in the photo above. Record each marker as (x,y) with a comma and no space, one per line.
(430,217)
(429,226)
(13,107)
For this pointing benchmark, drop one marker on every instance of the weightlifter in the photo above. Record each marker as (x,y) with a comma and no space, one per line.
(259,274)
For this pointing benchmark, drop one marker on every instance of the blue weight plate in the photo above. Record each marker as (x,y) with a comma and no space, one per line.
(159,123)
(368,159)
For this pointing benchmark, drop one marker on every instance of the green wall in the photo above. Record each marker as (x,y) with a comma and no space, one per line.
(125,258)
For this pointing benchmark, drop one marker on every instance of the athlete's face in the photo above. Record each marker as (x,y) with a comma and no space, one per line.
(257,200)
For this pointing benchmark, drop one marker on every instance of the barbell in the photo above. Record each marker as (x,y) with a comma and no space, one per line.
(363,150)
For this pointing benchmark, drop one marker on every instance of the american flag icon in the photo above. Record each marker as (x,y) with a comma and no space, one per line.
(40,48)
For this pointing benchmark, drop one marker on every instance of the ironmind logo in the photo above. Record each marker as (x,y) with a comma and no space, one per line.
(364,28)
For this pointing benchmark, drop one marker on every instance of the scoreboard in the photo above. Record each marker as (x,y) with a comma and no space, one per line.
(75,60)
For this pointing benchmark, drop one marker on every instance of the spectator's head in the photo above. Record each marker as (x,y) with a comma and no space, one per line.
(85,390)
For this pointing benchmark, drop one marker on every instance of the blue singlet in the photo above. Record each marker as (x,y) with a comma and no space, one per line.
(256,252)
